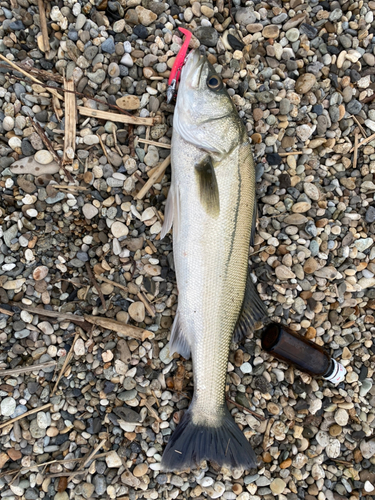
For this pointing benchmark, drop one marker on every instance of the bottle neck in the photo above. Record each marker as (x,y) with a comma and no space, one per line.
(336,372)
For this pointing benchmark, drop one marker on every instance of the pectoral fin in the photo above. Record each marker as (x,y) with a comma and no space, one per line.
(207,187)
(253,310)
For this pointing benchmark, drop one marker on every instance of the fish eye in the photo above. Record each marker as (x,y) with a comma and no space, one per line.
(214,83)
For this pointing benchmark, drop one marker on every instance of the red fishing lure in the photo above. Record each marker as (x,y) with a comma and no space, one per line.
(177,66)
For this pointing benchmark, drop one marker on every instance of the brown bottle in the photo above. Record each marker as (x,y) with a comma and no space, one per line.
(306,356)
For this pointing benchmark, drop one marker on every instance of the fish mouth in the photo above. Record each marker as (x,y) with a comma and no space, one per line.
(193,69)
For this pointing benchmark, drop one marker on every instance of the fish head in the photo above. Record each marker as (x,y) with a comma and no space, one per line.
(205,115)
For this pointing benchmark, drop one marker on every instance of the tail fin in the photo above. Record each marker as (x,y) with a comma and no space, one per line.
(191,443)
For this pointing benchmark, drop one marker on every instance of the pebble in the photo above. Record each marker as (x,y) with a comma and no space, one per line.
(137,311)
(119,229)
(7,406)
(140,470)
(89,211)
(43,157)
(277,486)
(113,460)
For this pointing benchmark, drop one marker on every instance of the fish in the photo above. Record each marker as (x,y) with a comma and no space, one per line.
(212,207)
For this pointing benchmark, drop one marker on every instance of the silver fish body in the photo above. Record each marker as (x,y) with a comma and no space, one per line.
(212,207)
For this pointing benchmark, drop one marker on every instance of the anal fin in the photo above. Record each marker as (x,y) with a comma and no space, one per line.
(178,341)
(253,310)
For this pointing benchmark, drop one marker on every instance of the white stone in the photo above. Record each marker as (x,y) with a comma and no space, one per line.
(15,142)
(43,157)
(368,487)
(8,123)
(26,316)
(7,406)
(323,438)
(246,368)
(119,229)
(206,482)
(46,327)
(89,140)
(113,460)
(341,417)
(333,449)
(368,448)
(127,60)
(43,420)
(89,211)
(304,132)
(79,347)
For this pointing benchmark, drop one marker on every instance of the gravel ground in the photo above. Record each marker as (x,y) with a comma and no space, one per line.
(302,77)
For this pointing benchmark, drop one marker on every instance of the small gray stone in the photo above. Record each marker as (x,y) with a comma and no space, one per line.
(10,234)
(36,431)
(207,35)
(245,15)
(97,77)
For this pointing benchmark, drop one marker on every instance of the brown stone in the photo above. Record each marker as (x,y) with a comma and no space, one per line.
(310,333)
(256,138)
(287,463)
(310,266)
(267,458)
(271,31)
(140,470)
(287,142)
(335,430)
(128,102)
(14,454)
(25,185)
(305,83)
(257,114)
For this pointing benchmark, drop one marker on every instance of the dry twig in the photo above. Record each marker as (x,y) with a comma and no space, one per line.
(153,143)
(365,141)
(243,408)
(66,362)
(291,153)
(24,369)
(156,174)
(96,285)
(106,280)
(363,131)
(5,311)
(355,156)
(115,117)
(103,148)
(26,73)
(146,303)
(30,412)
(120,328)
(39,130)
(70,122)
(43,26)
